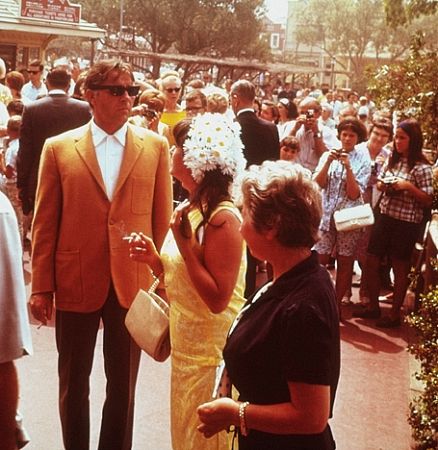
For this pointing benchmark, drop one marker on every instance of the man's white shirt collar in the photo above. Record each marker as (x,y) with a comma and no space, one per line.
(99,135)
(57,91)
(244,110)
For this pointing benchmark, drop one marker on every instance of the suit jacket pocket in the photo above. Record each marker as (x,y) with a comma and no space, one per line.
(68,277)
(142,192)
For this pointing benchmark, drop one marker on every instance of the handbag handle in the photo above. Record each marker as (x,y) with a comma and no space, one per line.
(155,283)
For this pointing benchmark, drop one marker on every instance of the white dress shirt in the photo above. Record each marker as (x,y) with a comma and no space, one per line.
(109,152)
(30,93)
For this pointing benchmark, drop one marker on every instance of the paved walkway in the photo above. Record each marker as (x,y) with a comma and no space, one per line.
(370,411)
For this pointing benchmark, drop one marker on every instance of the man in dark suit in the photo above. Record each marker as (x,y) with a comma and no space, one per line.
(44,118)
(260,140)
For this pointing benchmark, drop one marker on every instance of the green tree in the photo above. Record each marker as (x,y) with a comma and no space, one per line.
(413,86)
(399,12)
(218,28)
(354,33)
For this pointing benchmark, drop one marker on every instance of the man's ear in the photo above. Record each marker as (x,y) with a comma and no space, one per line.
(271,234)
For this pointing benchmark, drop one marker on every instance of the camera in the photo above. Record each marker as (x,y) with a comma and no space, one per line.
(150,114)
(310,113)
(389,180)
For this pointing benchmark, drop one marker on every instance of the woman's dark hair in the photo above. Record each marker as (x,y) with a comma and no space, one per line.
(412,128)
(292,110)
(15,107)
(214,187)
(78,92)
(355,125)
(181,130)
(15,80)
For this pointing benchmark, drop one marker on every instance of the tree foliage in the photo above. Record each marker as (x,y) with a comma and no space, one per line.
(218,28)
(400,12)
(424,409)
(354,33)
(413,86)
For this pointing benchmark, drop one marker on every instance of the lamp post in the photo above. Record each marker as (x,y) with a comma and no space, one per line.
(122,5)
(332,73)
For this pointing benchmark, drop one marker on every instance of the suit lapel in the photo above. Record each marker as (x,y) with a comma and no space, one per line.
(130,155)
(86,150)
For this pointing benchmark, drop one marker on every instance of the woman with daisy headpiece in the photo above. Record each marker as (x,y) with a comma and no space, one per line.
(203,262)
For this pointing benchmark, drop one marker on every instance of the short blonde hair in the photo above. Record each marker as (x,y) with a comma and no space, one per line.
(217,103)
(282,196)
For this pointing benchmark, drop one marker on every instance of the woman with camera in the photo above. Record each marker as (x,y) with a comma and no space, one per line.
(380,134)
(343,175)
(203,264)
(407,188)
(149,111)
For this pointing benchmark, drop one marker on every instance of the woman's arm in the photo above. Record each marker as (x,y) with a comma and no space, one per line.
(306,413)
(422,197)
(142,249)
(321,177)
(214,272)
(352,187)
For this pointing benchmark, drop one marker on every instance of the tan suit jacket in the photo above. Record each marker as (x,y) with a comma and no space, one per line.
(77,232)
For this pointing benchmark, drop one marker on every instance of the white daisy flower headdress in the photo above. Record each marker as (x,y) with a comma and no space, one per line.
(213,142)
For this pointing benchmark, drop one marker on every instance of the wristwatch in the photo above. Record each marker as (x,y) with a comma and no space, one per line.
(317,135)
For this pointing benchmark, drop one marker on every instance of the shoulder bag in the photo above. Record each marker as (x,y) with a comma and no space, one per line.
(349,219)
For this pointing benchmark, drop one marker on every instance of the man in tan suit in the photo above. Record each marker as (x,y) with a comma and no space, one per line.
(96,184)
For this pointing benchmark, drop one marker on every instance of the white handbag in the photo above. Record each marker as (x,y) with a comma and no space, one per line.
(349,219)
(147,321)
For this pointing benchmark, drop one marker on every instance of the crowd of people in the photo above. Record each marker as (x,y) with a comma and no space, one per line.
(201,187)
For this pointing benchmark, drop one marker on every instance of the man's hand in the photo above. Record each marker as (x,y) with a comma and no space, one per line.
(41,306)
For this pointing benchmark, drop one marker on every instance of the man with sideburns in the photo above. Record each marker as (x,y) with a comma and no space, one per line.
(96,184)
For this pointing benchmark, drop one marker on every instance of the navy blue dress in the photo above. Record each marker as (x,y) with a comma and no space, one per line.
(290,334)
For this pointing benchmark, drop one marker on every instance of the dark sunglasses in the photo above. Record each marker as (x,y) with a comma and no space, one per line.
(170,90)
(118,91)
(33,72)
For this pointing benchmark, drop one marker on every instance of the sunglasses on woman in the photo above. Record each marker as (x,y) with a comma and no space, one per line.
(117,91)
(170,90)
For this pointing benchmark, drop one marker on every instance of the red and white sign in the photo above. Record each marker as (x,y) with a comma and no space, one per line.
(55,10)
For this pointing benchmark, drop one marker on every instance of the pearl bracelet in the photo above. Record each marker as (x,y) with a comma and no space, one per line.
(242,419)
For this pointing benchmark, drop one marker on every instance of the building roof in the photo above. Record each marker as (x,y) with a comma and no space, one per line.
(11,20)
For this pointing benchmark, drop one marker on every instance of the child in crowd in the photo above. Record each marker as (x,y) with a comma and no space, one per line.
(8,167)
(290,149)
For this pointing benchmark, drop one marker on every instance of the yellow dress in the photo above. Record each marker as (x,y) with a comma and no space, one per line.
(171,119)
(197,337)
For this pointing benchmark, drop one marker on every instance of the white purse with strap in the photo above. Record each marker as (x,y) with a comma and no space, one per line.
(349,219)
